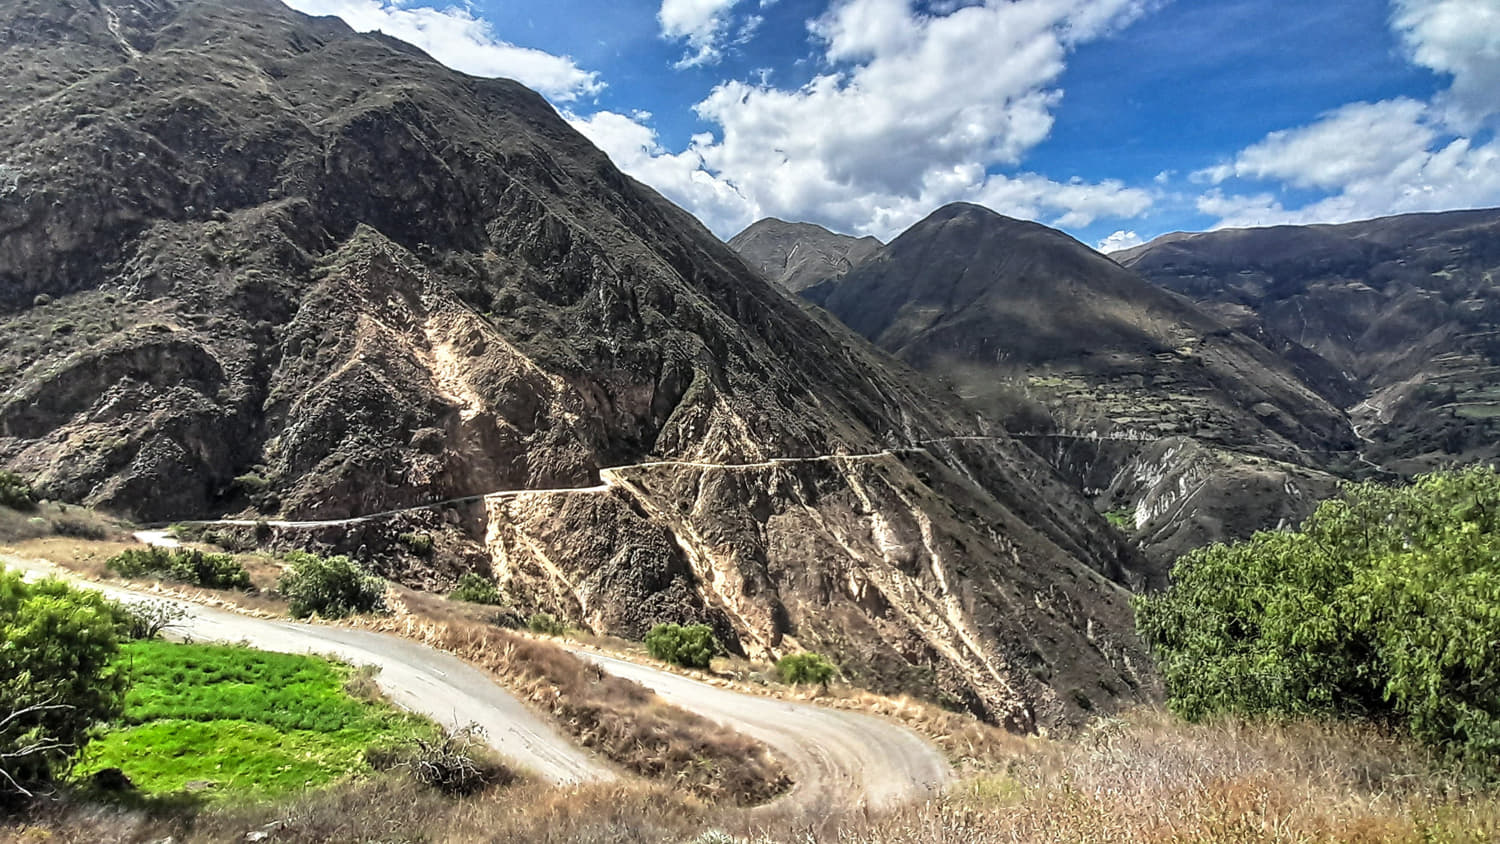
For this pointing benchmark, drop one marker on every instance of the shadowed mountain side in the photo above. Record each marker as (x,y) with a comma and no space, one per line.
(1050,339)
(1405,309)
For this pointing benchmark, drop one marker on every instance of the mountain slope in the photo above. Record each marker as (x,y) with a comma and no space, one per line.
(254,262)
(798,255)
(1404,309)
(1014,312)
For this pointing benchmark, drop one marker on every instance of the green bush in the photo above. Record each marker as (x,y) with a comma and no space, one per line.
(15,493)
(332,587)
(184,565)
(1386,605)
(475,588)
(690,646)
(420,543)
(804,668)
(545,625)
(57,676)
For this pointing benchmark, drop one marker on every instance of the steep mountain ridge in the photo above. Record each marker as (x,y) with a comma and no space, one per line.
(1404,309)
(1089,363)
(798,255)
(255,262)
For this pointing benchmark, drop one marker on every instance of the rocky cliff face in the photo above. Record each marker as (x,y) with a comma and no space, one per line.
(253,262)
(796,256)
(1126,389)
(1400,315)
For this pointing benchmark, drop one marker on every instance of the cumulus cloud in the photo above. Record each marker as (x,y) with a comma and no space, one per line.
(1389,157)
(463,42)
(703,24)
(633,146)
(1460,38)
(912,110)
(1119,241)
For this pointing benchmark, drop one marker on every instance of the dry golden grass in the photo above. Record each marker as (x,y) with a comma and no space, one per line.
(1145,779)
(1149,778)
(622,720)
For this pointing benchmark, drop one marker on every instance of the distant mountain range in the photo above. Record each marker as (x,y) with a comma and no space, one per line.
(1406,310)
(1206,385)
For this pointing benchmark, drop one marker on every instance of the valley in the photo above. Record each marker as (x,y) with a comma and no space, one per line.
(589,522)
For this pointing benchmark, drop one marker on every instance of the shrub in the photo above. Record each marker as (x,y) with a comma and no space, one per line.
(332,587)
(251,483)
(690,646)
(545,625)
(804,668)
(57,676)
(419,543)
(1386,605)
(475,588)
(150,619)
(15,493)
(79,527)
(459,764)
(184,565)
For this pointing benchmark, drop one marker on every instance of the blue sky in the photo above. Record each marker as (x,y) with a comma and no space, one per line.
(1115,120)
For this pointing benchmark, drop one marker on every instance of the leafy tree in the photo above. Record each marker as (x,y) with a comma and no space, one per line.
(804,668)
(690,646)
(57,678)
(1385,605)
(475,588)
(332,587)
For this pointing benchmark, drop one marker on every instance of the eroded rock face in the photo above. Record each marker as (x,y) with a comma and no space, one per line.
(254,263)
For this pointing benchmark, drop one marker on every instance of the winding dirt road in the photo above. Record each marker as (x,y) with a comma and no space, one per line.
(416,677)
(839,759)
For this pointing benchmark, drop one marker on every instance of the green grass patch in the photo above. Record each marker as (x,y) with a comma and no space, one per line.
(249,722)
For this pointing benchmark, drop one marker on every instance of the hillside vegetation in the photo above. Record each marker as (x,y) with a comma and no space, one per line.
(234,722)
(1385,606)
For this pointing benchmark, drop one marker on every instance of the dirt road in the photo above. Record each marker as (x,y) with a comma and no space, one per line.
(416,677)
(840,760)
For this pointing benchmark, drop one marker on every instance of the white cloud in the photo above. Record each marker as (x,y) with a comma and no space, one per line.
(463,42)
(1460,38)
(1119,241)
(1389,157)
(703,24)
(634,148)
(913,110)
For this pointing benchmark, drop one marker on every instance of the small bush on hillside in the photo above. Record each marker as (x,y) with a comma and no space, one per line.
(690,646)
(475,588)
(1385,605)
(420,544)
(332,587)
(184,565)
(57,676)
(546,625)
(804,668)
(15,493)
